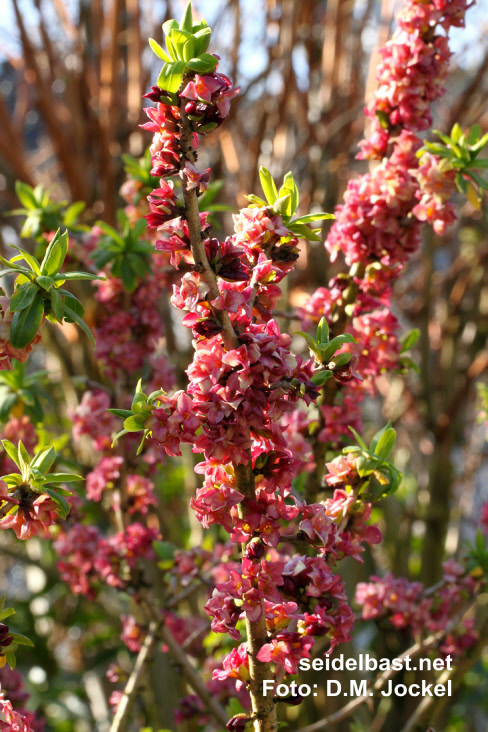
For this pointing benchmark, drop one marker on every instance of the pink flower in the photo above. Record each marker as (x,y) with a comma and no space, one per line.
(194,179)
(286,649)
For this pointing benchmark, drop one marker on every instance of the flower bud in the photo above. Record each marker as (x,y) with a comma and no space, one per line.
(256,549)
(237,723)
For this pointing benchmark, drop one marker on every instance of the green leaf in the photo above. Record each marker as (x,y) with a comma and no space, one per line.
(124,413)
(72,212)
(129,277)
(71,276)
(385,444)
(289,184)
(23,457)
(474,134)
(204,64)
(80,322)
(170,76)
(135,423)
(62,477)
(186,22)
(321,377)
(378,436)
(409,340)
(26,323)
(139,228)
(358,437)
(171,49)
(309,218)
(310,340)
(268,185)
(11,270)
(11,451)
(21,640)
(456,132)
(31,261)
(11,660)
(57,305)
(141,444)
(46,282)
(62,504)
(169,26)
(160,52)
(44,459)
(178,39)
(322,331)
(119,434)
(189,49)
(461,183)
(281,204)
(478,179)
(304,232)
(255,199)
(341,359)
(25,195)
(480,144)
(164,550)
(477,163)
(55,254)
(202,40)
(12,479)
(23,296)
(6,613)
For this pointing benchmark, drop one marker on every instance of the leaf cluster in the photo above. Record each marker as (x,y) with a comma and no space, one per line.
(323,350)
(39,292)
(461,151)
(285,203)
(43,214)
(34,474)
(186,51)
(379,475)
(128,257)
(137,416)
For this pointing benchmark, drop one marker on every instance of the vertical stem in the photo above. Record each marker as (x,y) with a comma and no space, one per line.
(264,709)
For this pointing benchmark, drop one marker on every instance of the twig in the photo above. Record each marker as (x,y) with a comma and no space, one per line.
(193,678)
(383,678)
(121,718)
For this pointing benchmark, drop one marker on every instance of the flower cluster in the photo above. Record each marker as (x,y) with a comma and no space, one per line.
(407,606)
(87,559)
(14,696)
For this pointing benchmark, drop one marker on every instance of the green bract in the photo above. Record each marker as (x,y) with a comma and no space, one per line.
(372,463)
(38,292)
(323,350)
(461,154)
(186,46)
(33,473)
(138,415)
(285,203)
(127,256)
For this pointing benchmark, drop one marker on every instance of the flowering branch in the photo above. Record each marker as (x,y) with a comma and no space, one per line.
(382,679)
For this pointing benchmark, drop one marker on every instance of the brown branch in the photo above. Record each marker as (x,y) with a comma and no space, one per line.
(263,707)
(126,703)
(193,678)
(381,680)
